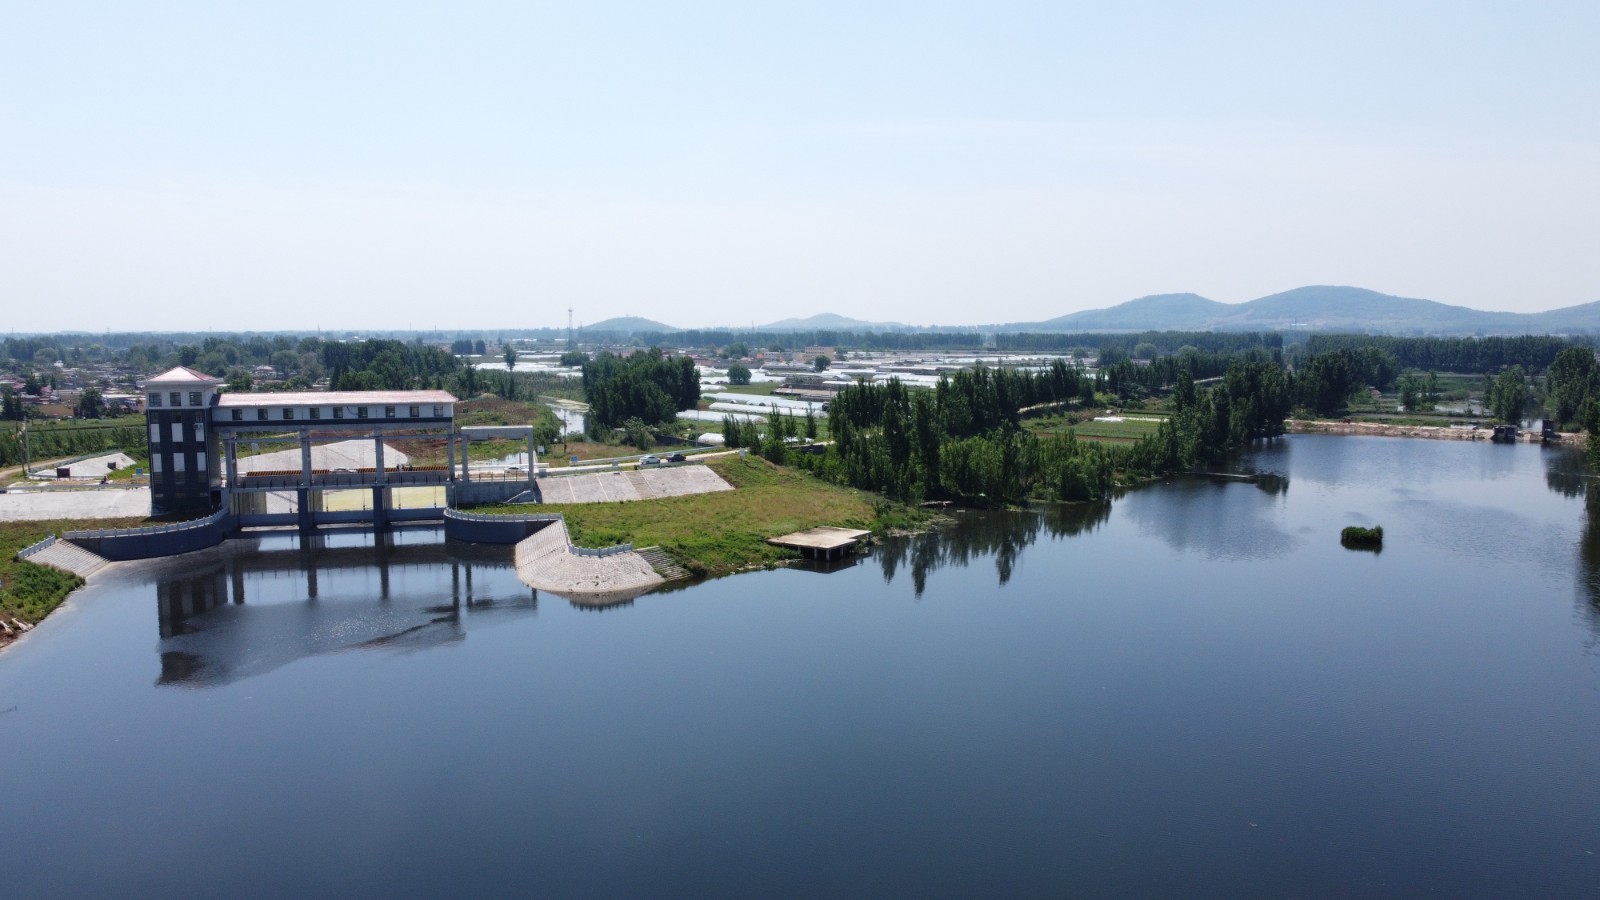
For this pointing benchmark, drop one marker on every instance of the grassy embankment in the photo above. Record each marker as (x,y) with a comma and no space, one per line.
(29,592)
(723,532)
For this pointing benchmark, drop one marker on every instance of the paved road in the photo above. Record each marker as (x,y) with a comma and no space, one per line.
(89,503)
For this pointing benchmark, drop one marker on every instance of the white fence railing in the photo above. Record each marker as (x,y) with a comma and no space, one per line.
(603,551)
(506,517)
(29,551)
(190,525)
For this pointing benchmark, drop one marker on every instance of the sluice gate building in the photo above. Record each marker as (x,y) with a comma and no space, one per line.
(196,433)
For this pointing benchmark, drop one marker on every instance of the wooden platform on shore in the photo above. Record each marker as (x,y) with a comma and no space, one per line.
(822,542)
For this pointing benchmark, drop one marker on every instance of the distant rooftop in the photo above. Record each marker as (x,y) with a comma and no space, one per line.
(183,375)
(335,398)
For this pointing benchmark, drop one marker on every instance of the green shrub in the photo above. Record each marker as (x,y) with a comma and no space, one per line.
(1356,536)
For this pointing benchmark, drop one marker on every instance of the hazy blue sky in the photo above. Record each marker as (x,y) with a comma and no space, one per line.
(294,164)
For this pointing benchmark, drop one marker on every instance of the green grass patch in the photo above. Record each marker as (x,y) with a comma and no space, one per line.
(762,388)
(487,409)
(715,534)
(561,454)
(140,461)
(1084,426)
(29,592)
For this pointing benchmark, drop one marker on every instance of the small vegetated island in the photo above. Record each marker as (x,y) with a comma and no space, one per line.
(1362,538)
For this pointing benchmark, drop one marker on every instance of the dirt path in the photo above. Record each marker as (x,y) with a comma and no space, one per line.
(1434,432)
(10,472)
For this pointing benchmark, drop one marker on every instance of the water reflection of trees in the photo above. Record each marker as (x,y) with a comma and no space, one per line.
(1567,473)
(1589,555)
(1216,516)
(973,536)
(1271,483)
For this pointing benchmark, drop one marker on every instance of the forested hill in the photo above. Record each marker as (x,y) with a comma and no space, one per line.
(834,322)
(625,325)
(1168,311)
(1318,308)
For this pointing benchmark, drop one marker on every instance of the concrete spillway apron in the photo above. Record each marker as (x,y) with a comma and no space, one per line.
(546,562)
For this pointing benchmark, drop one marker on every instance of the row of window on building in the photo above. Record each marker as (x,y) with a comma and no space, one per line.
(178,463)
(290,413)
(199,432)
(175,398)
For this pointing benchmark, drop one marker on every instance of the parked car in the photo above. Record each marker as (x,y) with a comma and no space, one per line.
(674,457)
(649,461)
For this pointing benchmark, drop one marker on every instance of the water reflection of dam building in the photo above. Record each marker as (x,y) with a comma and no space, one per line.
(260,607)
(196,432)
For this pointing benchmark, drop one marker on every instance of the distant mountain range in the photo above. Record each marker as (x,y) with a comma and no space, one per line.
(1316,308)
(1320,308)
(834,322)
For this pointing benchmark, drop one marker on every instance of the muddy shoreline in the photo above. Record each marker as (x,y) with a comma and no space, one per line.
(1432,432)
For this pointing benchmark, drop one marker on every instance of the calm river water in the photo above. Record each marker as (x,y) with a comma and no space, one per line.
(1195,691)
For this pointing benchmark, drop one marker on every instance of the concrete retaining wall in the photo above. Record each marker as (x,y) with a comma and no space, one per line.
(463,493)
(542,543)
(155,540)
(547,561)
(501,529)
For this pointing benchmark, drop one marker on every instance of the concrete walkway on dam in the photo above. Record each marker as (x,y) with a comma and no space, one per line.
(546,561)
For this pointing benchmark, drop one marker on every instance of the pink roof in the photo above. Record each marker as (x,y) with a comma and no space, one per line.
(185,375)
(337,398)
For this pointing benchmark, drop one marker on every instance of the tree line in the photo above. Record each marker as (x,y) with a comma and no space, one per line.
(1128,377)
(1122,345)
(380,365)
(649,386)
(55,443)
(961,440)
(1479,356)
(964,439)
